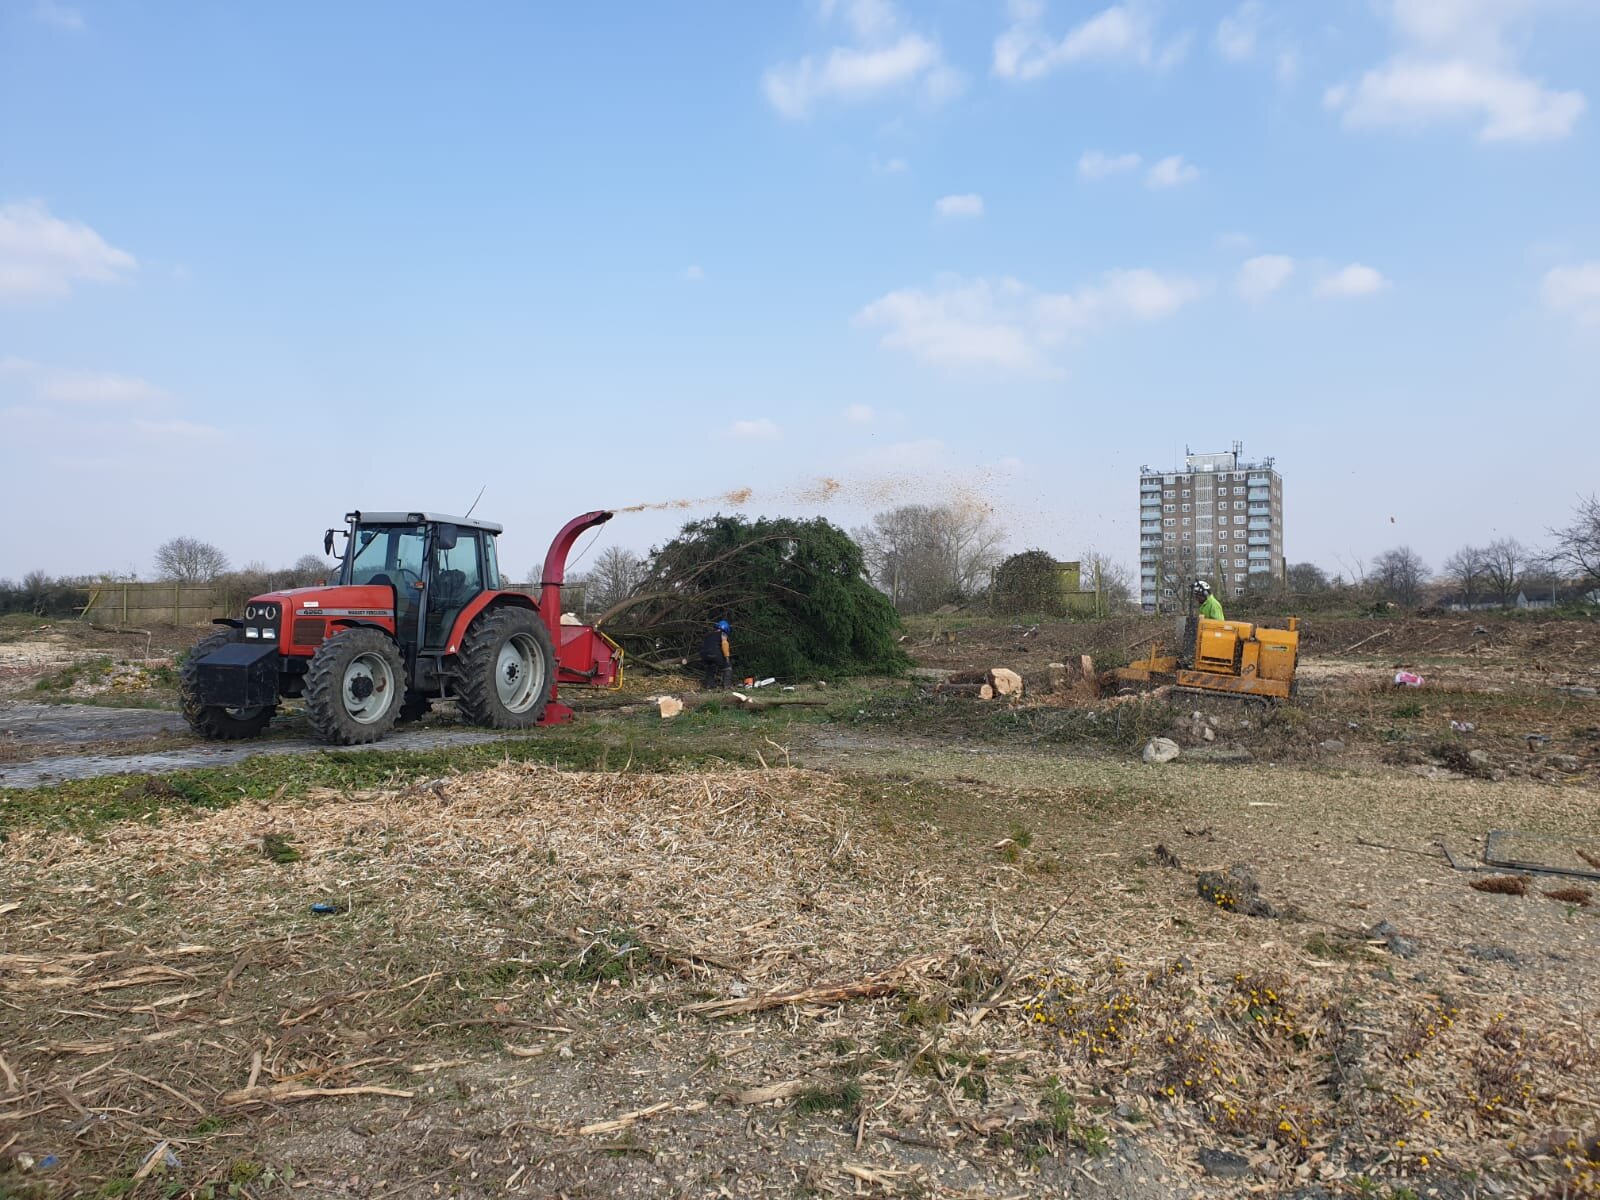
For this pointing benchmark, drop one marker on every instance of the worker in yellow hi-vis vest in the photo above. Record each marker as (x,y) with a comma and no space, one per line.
(1210,606)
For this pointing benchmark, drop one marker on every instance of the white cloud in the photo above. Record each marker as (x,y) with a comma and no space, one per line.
(923,454)
(59,15)
(969,204)
(882,57)
(693,273)
(860,414)
(42,255)
(1170,172)
(892,166)
(760,430)
(71,406)
(71,386)
(1574,291)
(1006,324)
(1262,275)
(1234,241)
(1239,32)
(1095,165)
(1409,92)
(1354,280)
(868,18)
(1458,63)
(1123,33)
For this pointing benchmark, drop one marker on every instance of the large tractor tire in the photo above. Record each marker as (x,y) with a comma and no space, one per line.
(355,686)
(505,669)
(212,720)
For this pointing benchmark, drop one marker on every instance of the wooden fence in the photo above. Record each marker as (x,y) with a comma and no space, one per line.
(136,605)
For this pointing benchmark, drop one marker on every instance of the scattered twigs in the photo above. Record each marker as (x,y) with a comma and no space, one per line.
(640,1114)
(880,984)
(283,1093)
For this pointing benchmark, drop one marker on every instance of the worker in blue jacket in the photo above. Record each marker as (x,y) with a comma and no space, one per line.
(716,657)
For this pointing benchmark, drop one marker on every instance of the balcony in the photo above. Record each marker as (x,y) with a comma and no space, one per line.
(1261,494)
(1260,479)
(1261,539)
(1260,568)
(1257,523)
(1149,487)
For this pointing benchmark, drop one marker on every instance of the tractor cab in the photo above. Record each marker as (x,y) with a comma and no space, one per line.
(436,564)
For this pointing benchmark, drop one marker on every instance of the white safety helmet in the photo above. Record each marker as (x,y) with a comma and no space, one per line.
(1202,589)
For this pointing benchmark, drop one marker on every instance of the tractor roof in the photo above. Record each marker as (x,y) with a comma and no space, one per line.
(425,518)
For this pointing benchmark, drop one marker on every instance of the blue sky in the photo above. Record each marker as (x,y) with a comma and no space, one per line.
(262,264)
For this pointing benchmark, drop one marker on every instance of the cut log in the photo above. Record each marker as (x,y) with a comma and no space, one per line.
(1005,681)
(669,707)
(1057,677)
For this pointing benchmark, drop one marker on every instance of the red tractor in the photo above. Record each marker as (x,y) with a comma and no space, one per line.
(418,613)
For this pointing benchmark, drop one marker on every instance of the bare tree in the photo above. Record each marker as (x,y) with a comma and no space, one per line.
(1577,547)
(616,575)
(1109,580)
(1464,570)
(927,555)
(309,568)
(1305,578)
(1399,575)
(189,560)
(1505,562)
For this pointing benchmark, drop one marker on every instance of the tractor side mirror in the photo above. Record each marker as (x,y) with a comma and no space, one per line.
(446,537)
(327,543)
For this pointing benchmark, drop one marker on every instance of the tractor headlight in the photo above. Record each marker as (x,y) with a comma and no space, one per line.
(269,633)
(252,633)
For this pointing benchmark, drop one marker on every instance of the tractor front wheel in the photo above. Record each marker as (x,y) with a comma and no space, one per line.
(505,669)
(212,720)
(355,686)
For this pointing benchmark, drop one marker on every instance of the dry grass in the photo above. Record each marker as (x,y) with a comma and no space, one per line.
(536,981)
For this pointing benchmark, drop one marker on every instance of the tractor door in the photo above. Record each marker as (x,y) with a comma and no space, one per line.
(455,578)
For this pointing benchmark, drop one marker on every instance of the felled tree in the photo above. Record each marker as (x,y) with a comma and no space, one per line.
(1029,582)
(795,592)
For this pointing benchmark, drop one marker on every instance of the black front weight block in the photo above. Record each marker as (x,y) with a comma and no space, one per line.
(240,675)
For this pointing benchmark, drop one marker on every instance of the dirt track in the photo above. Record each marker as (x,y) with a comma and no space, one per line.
(25,727)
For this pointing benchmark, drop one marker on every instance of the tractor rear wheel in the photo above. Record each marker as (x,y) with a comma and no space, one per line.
(212,720)
(354,687)
(505,669)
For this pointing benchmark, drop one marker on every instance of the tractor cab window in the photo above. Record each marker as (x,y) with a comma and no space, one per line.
(389,554)
(491,565)
(457,578)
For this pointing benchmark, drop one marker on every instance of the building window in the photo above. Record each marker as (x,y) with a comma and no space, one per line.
(1169,508)
(1186,493)
(1185,507)
(1238,562)
(1238,520)
(1186,521)
(1167,495)
(1186,537)
(1238,503)
(1169,521)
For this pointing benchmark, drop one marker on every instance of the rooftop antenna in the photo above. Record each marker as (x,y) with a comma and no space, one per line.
(478,497)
